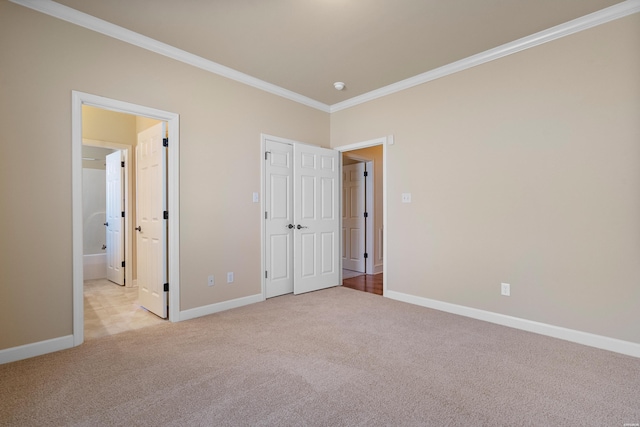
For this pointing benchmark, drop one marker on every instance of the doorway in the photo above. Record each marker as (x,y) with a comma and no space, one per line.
(111,201)
(79,100)
(365,161)
(102,258)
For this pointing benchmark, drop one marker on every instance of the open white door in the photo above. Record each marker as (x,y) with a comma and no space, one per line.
(151,224)
(317,218)
(115,218)
(353,217)
(279,224)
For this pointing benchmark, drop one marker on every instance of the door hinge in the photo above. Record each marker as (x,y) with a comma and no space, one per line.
(122,163)
(166,287)
(165,215)
(366,255)
(266,216)
(366,214)
(122,214)
(366,173)
(122,263)
(165,142)
(265,154)
(266,275)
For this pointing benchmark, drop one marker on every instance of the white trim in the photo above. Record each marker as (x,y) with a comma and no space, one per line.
(78,99)
(221,306)
(81,19)
(603,16)
(51,8)
(127,152)
(365,144)
(263,264)
(584,338)
(35,349)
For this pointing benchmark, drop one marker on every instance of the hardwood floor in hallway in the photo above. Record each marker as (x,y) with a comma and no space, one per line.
(371,283)
(110,309)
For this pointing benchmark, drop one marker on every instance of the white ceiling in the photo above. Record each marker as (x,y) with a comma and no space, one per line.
(305,46)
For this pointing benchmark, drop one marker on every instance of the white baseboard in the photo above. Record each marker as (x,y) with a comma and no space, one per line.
(221,306)
(35,349)
(592,340)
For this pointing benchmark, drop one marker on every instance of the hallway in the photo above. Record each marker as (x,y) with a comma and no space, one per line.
(371,283)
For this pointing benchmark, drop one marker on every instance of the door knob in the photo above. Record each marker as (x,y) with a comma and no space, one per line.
(290,226)
(139,228)
(301,226)
(106,223)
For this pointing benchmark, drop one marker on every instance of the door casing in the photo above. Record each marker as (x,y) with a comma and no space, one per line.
(78,99)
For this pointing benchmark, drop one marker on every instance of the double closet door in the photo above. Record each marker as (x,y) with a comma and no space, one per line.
(302,220)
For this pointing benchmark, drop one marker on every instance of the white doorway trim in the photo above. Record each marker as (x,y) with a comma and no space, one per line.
(78,99)
(128,192)
(365,144)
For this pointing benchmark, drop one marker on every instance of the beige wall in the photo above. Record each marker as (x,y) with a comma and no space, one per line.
(144,123)
(105,125)
(43,60)
(524,170)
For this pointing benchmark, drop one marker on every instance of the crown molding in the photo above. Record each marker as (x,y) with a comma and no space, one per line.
(57,10)
(603,16)
(76,17)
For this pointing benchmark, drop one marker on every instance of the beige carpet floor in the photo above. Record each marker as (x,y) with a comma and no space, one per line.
(336,357)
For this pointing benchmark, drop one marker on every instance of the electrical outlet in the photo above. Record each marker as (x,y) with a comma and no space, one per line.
(230,277)
(210,283)
(406,197)
(505,289)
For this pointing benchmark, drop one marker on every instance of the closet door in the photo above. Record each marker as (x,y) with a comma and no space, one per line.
(316,215)
(279,224)
(302,221)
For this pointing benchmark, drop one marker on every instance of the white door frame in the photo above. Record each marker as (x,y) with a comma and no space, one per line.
(357,146)
(128,182)
(78,99)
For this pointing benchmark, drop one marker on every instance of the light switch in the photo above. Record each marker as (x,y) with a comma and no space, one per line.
(406,197)
(256,197)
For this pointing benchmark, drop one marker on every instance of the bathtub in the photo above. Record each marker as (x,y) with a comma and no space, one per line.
(95,266)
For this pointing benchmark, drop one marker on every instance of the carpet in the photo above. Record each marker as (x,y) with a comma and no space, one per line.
(335,357)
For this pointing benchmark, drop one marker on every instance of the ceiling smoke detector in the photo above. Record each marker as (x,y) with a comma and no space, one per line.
(338,85)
